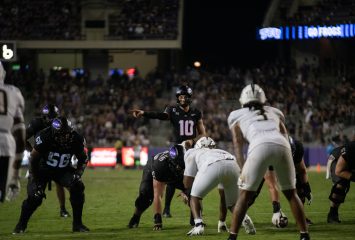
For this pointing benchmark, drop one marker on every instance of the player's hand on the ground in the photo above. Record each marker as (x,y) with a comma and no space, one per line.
(184,197)
(198,229)
(14,188)
(158,227)
(137,113)
(309,198)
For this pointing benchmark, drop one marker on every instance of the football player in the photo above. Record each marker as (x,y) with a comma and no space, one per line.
(12,138)
(165,167)
(187,123)
(49,112)
(342,172)
(263,128)
(50,160)
(206,167)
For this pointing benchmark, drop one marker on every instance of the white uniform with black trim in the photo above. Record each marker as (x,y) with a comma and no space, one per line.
(267,146)
(12,106)
(211,167)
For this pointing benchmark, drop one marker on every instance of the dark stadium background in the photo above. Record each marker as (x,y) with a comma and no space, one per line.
(224,34)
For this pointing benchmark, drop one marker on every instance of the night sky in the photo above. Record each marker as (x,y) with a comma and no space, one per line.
(225,34)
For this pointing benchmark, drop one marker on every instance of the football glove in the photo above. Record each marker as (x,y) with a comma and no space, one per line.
(198,229)
(14,188)
(279,219)
(222,227)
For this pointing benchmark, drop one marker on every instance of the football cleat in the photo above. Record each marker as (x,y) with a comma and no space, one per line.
(64,213)
(166,213)
(333,218)
(309,221)
(279,219)
(222,227)
(198,229)
(134,222)
(80,228)
(19,229)
(248,225)
(304,236)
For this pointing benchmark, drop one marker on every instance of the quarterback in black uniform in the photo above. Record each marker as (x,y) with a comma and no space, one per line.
(49,112)
(342,172)
(187,123)
(165,167)
(51,160)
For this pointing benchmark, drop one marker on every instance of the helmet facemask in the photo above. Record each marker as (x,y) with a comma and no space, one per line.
(49,112)
(62,131)
(183,96)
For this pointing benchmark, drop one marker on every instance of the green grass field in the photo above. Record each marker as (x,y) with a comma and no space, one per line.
(110,196)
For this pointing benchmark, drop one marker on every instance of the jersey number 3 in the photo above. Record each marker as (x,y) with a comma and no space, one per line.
(186,127)
(57,160)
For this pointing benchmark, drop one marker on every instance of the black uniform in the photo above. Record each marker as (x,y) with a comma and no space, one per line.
(184,123)
(34,127)
(159,168)
(341,186)
(54,164)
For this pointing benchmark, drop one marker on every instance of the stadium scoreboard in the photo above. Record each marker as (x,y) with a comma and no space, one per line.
(304,32)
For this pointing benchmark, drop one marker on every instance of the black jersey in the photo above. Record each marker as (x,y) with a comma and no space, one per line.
(335,154)
(297,150)
(55,156)
(184,123)
(348,153)
(162,170)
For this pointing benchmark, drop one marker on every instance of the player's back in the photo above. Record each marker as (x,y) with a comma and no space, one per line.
(207,156)
(259,125)
(11,106)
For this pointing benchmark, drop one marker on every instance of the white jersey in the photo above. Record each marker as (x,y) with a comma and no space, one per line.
(12,106)
(199,158)
(258,127)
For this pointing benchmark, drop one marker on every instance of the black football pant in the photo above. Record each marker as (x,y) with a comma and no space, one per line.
(36,193)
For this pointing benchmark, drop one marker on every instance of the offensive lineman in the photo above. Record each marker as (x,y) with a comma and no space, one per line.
(262,127)
(165,167)
(12,137)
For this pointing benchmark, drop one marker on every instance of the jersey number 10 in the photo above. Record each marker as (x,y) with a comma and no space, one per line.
(186,127)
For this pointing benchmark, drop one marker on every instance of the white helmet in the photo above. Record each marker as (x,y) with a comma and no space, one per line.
(252,93)
(2,74)
(205,142)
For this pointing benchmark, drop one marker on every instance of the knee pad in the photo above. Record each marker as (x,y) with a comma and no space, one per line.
(339,191)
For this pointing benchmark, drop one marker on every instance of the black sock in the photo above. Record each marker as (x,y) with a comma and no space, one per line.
(333,210)
(305,236)
(276,206)
(232,236)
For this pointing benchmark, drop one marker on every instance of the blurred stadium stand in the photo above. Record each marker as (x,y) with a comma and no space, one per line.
(89,58)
